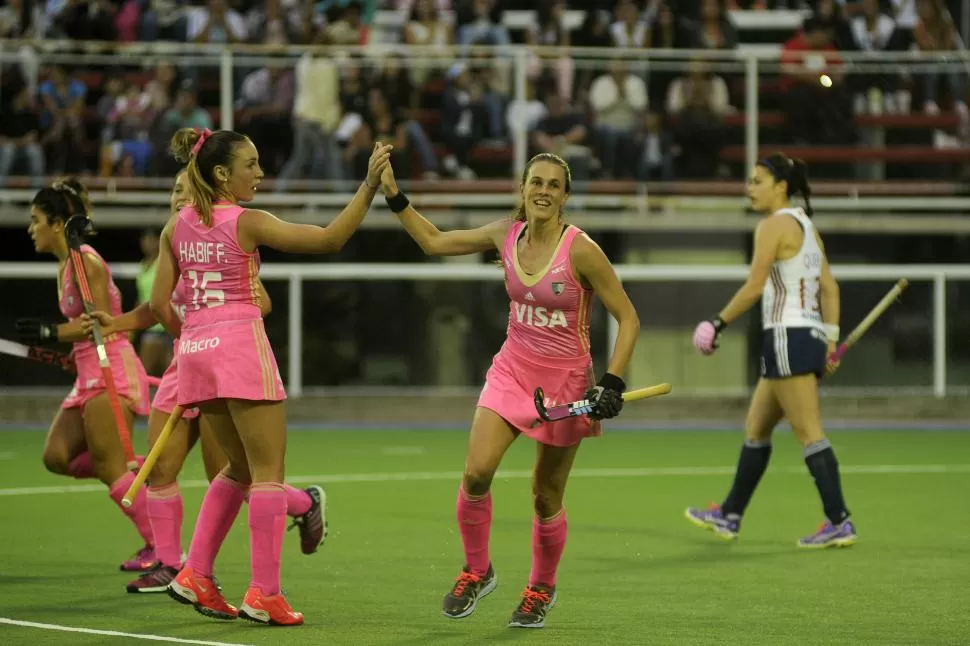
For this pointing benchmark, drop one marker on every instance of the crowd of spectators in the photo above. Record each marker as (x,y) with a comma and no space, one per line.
(317,117)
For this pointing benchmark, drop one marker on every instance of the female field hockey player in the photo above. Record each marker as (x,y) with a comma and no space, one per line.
(307,507)
(552,271)
(800,317)
(83,440)
(226,366)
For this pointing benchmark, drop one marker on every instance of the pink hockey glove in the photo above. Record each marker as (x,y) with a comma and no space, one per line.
(706,333)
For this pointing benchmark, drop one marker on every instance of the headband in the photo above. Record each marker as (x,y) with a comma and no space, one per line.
(203,135)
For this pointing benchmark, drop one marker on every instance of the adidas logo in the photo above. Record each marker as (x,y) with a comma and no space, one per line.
(529,296)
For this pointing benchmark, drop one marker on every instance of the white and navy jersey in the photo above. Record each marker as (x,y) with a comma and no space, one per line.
(791,297)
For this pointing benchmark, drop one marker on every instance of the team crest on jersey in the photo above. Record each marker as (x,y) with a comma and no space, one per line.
(557,288)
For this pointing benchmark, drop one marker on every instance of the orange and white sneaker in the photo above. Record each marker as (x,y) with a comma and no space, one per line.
(274,610)
(202,593)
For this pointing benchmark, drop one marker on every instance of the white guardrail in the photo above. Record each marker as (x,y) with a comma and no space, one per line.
(296,274)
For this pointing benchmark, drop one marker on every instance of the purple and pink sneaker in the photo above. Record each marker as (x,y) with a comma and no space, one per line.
(143,560)
(829,535)
(711,518)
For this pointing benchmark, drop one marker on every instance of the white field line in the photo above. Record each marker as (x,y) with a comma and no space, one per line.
(416,476)
(111,633)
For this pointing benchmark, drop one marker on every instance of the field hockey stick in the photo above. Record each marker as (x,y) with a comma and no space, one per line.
(152,457)
(870,318)
(585,406)
(63,360)
(75,229)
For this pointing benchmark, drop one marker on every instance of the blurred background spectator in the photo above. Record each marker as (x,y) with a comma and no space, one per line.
(452,112)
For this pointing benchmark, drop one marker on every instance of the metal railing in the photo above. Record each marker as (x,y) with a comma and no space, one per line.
(296,274)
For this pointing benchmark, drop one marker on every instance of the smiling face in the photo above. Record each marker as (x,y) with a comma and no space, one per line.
(43,232)
(764,191)
(544,192)
(244,173)
(180,194)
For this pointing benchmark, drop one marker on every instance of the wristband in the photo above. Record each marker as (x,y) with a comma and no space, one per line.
(609,381)
(831,332)
(397,203)
(719,324)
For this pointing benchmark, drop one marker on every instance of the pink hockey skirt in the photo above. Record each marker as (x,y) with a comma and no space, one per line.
(130,378)
(227,360)
(511,382)
(167,395)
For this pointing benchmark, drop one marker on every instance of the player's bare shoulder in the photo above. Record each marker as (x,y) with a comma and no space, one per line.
(586,257)
(256,215)
(774,225)
(585,251)
(497,231)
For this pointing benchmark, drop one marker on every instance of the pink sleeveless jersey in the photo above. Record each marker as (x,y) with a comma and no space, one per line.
(71,304)
(547,346)
(549,312)
(129,375)
(220,278)
(223,352)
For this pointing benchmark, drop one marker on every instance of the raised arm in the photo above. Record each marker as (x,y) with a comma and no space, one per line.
(259,228)
(432,240)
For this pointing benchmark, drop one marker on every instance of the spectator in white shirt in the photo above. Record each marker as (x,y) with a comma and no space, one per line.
(872,31)
(215,23)
(629,30)
(618,100)
(316,115)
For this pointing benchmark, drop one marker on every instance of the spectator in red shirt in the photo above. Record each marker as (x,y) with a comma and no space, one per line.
(816,95)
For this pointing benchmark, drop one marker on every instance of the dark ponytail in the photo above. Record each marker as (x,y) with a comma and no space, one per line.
(798,184)
(792,171)
(60,201)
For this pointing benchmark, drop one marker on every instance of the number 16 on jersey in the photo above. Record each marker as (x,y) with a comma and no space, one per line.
(203,292)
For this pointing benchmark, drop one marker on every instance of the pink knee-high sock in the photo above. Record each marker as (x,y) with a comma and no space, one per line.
(165,513)
(298,502)
(267,523)
(219,510)
(548,543)
(475,524)
(138,512)
(81,467)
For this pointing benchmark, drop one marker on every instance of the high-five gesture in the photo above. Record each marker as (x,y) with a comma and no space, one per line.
(388,182)
(380,159)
